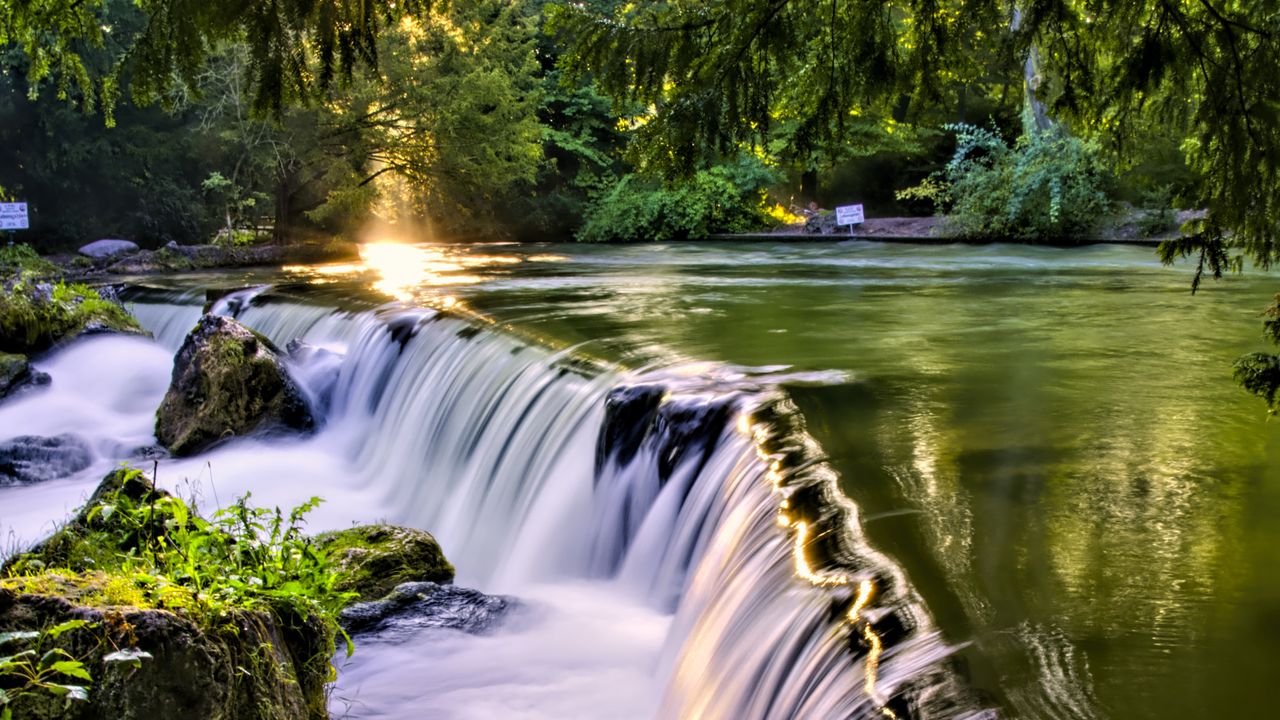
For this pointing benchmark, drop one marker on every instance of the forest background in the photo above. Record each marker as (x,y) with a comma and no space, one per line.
(601,120)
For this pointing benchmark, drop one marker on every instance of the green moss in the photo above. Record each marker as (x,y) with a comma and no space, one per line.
(372,559)
(174,261)
(22,258)
(11,367)
(99,589)
(35,316)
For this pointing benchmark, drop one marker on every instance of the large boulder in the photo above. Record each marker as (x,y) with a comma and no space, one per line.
(32,459)
(248,666)
(152,650)
(371,560)
(17,375)
(228,381)
(104,249)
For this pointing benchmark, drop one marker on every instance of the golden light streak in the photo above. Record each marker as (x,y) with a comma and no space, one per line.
(804,568)
(864,596)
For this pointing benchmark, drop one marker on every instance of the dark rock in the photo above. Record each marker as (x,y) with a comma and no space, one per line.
(103,249)
(32,459)
(17,376)
(417,606)
(822,224)
(228,381)
(371,560)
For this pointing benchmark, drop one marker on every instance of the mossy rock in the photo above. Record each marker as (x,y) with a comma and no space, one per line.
(372,560)
(243,667)
(93,538)
(228,381)
(16,375)
(265,660)
(37,316)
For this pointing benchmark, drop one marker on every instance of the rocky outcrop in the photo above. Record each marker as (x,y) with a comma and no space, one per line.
(248,666)
(228,381)
(415,606)
(36,316)
(17,376)
(194,257)
(103,249)
(263,660)
(32,459)
(82,542)
(371,560)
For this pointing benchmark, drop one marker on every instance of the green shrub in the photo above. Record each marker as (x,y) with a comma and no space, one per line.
(22,258)
(725,199)
(1047,186)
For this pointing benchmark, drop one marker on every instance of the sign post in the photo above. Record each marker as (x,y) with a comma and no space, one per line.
(850,215)
(13,216)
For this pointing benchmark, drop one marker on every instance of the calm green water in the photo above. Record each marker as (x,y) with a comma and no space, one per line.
(1047,440)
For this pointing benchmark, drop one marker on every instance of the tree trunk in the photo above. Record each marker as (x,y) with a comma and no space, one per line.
(809,185)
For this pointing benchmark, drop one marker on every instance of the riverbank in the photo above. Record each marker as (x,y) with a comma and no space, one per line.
(1134,227)
(184,258)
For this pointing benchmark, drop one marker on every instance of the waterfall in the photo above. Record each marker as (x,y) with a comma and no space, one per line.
(702,501)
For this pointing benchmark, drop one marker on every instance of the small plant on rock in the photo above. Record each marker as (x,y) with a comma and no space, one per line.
(40,667)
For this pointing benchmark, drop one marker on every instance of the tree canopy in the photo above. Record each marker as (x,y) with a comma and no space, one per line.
(296,47)
(1200,73)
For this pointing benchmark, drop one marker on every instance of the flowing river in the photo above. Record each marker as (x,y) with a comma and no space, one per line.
(811,480)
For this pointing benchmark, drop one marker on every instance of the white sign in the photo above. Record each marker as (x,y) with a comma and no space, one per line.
(849,215)
(13,216)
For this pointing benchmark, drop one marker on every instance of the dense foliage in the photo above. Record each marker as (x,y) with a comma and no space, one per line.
(170,48)
(724,199)
(1048,185)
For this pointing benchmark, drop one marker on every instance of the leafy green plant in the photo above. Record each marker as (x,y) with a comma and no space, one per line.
(1049,185)
(241,557)
(726,198)
(41,667)
(1259,373)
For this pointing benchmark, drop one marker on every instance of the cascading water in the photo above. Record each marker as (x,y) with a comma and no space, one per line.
(679,543)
